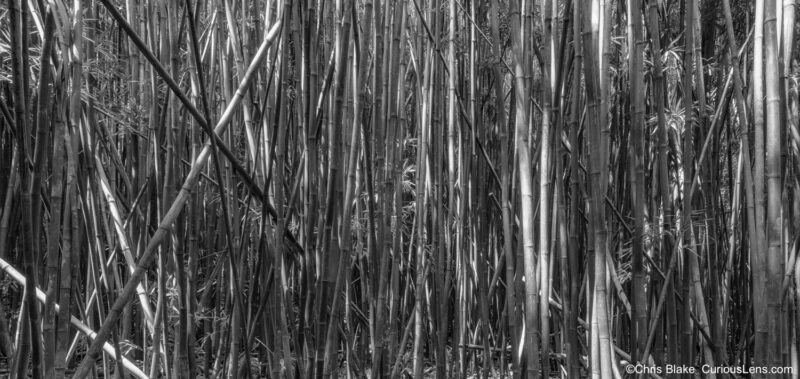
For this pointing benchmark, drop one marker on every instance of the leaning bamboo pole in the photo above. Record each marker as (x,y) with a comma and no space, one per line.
(82,327)
(175,209)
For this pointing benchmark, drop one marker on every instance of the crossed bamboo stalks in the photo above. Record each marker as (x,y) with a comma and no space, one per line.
(165,225)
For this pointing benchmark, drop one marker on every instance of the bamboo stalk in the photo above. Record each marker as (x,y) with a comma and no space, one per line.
(40,295)
(174,211)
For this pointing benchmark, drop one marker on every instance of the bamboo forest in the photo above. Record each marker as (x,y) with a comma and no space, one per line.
(399,189)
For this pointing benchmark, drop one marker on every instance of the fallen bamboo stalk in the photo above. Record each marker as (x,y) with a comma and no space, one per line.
(165,225)
(78,324)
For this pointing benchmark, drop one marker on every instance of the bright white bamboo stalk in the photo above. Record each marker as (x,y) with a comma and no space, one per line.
(165,226)
(78,324)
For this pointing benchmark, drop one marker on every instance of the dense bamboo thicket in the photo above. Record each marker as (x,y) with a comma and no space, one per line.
(398,188)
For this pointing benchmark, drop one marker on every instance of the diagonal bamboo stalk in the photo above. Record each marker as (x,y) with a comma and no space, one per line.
(162,72)
(78,324)
(165,225)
